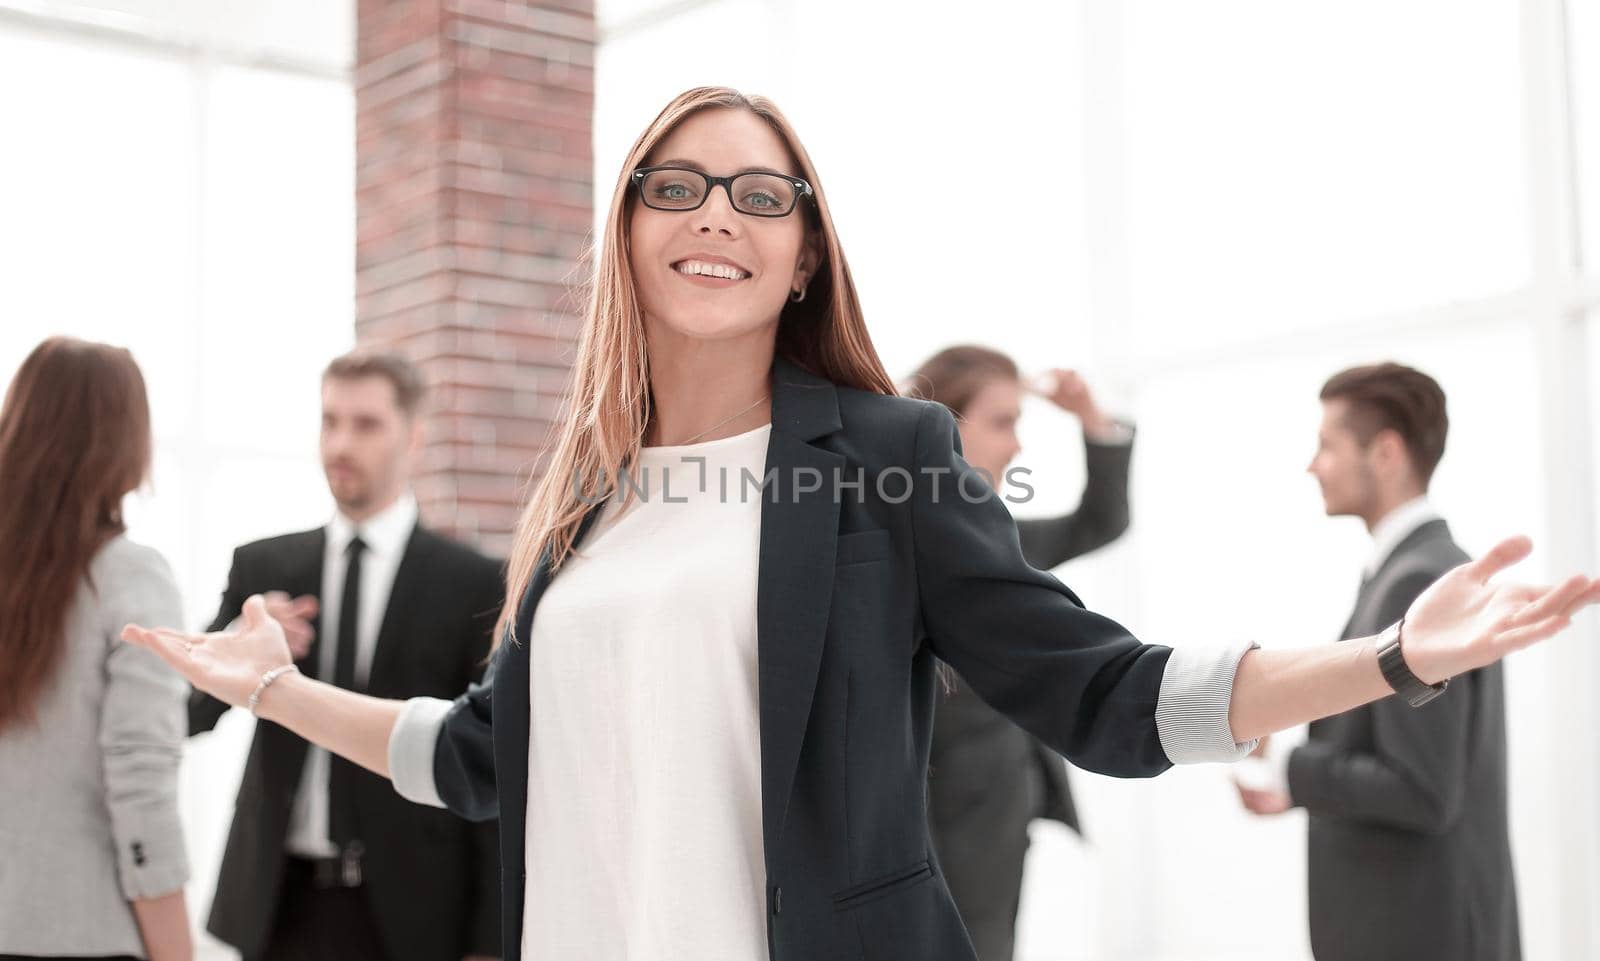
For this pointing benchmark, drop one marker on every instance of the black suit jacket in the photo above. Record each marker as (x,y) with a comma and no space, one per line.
(432,878)
(854,602)
(1410,857)
(976,743)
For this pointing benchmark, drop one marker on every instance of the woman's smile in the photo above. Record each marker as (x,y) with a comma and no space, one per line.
(714,272)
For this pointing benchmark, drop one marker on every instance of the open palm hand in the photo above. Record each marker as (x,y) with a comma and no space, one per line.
(1463,622)
(225,664)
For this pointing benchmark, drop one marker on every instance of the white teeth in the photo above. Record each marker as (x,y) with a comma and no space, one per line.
(702,268)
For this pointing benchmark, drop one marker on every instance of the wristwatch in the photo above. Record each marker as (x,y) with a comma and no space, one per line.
(1392,662)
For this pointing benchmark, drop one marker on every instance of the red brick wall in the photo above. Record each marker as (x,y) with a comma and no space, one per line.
(473,203)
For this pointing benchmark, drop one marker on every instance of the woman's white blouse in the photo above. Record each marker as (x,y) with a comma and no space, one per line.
(644,787)
(644,760)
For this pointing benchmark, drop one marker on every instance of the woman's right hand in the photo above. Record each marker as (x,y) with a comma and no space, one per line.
(1068,390)
(225,664)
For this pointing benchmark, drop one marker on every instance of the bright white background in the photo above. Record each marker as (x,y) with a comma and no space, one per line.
(1208,208)
(178,178)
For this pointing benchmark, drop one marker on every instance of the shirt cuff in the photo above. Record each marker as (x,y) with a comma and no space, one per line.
(1192,709)
(1119,434)
(1278,767)
(411,746)
(1267,772)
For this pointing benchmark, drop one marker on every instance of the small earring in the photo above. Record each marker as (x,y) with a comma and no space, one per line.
(795,296)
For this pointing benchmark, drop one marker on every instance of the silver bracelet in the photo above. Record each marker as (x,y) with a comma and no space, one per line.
(266,682)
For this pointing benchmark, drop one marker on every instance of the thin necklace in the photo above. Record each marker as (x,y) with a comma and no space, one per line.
(724,421)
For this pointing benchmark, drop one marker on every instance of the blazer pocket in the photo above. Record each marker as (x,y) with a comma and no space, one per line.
(859,547)
(882,887)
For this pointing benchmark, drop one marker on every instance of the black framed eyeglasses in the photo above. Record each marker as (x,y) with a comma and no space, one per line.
(685,189)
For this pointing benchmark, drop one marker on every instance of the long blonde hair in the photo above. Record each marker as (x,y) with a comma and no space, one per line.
(608,401)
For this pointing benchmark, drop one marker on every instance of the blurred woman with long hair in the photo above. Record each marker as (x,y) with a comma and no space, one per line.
(712,740)
(91,727)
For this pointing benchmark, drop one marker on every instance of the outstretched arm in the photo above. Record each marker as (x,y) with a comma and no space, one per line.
(1089,689)
(1461,623)
(229,665)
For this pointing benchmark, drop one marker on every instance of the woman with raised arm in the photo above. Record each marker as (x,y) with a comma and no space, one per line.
(988,778)
(92,859)
(705,728)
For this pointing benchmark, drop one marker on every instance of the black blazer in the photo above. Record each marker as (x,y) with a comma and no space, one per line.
(982,749)
(1410,856)
(432,878)
(854,601)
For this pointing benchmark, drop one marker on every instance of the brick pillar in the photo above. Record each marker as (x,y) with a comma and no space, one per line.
(473,203)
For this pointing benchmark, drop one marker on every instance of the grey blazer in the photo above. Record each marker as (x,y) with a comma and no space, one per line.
(1410,858)
(90,812)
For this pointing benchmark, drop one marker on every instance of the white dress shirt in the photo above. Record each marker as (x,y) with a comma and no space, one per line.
(386,535)
(1396,526)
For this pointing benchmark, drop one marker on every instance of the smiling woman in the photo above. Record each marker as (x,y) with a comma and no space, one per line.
(706,733)
(686,237)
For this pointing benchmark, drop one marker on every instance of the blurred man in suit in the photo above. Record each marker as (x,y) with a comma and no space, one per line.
(325,860)
(1409,852)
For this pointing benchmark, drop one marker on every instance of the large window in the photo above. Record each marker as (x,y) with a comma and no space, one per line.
(1583,52)
(1211,208)
(178,178)
(1294,165)
(199,211)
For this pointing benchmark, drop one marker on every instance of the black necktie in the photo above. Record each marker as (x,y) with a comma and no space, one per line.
(341,773)
(344,669)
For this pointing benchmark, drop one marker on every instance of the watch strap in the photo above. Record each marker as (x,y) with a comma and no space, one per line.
(1392,662)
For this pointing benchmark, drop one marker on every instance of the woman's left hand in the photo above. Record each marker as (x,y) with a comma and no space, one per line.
(1462,622)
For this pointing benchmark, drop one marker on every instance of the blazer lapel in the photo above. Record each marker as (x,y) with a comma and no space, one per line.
(1361,617)
(308,580)
(799,531)
(512,710)
(1362,594)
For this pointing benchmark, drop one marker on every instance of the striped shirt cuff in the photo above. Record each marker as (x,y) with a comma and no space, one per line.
(411,746)
(1192,710)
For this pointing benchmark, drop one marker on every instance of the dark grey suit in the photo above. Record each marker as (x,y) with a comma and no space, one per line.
(1409,854)
(987,777)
